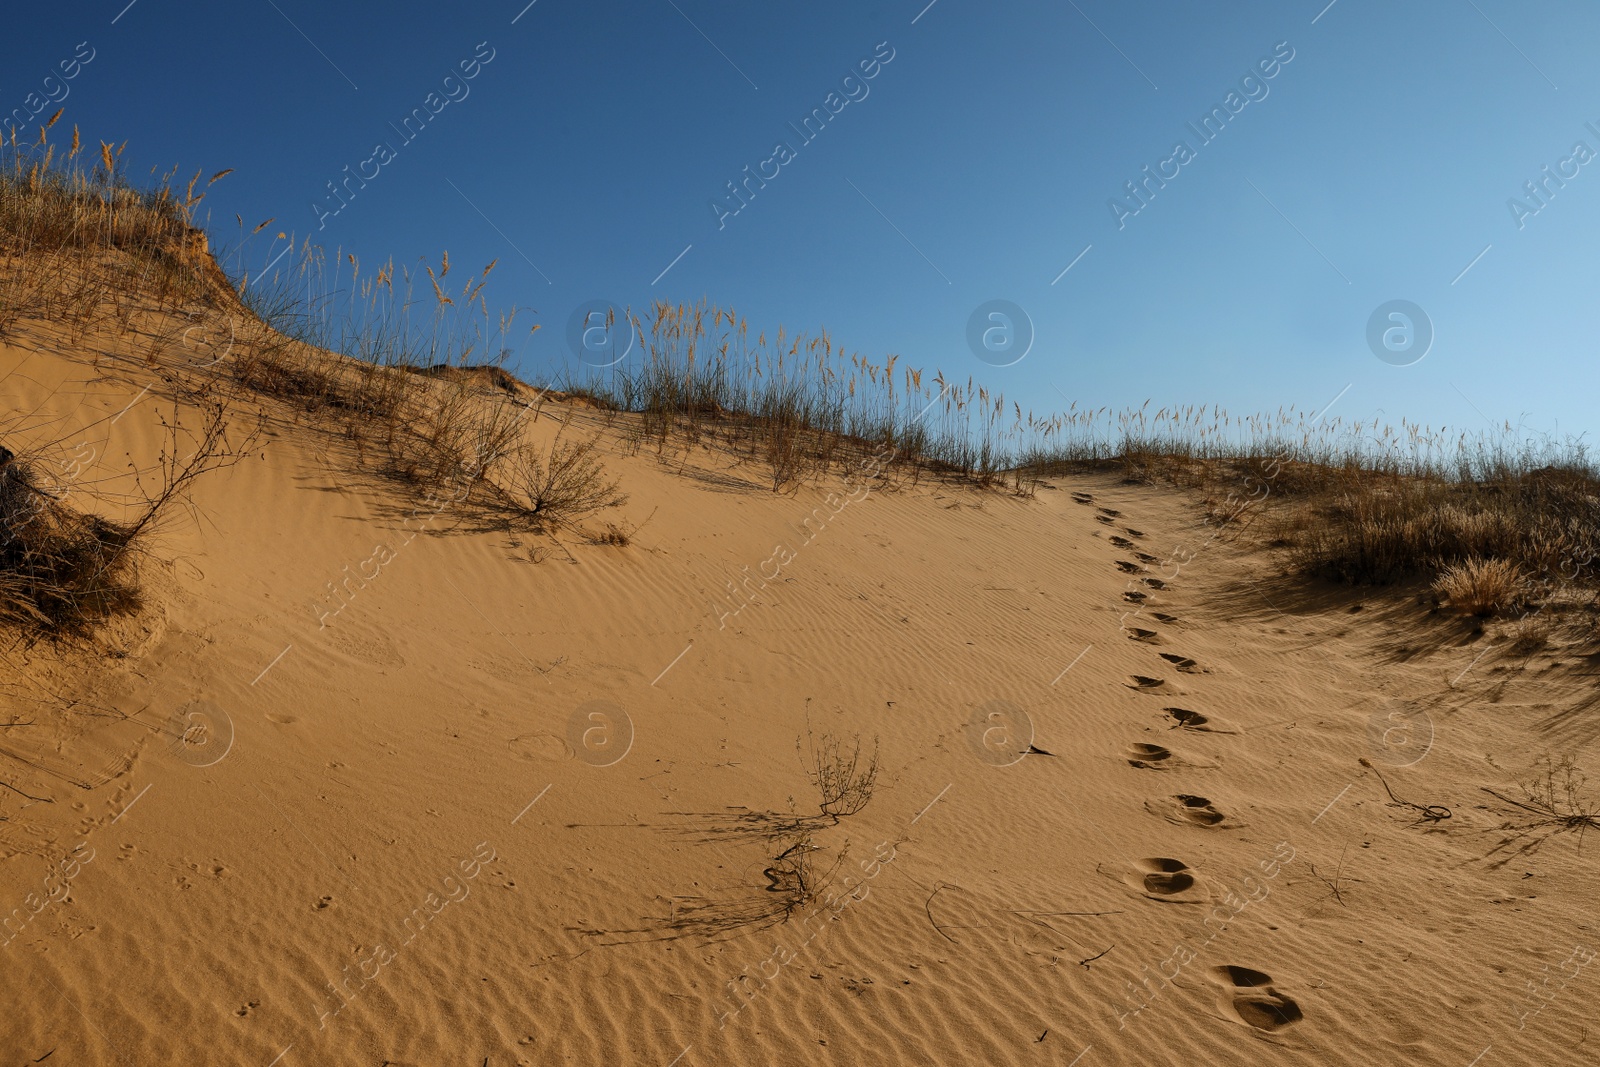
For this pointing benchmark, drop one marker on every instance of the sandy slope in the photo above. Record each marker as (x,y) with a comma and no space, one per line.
(369,826)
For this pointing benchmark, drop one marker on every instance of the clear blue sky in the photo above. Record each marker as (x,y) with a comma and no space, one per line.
(978,164)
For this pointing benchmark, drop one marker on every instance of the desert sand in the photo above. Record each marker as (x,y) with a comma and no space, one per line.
(366,783)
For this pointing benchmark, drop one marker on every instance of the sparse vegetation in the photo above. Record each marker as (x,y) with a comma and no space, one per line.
(63,570)
(412,376)
(1481,587)
(1554,800)
(79,245)
(844,782)
(559,486)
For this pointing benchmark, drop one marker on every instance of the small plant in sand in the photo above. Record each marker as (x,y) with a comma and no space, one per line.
(1553,800)
(565,484)
(1482,587)
(793,876)
(843,778)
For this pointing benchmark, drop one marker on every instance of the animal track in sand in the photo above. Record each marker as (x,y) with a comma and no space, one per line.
(1166,880)
(1168,619)
(1155,583)
(1183,663)
(1105,519)
(1144,682)
(1131,532)
(538,747)
(1121,542)
(1083,498)
(1138,634)
(1127,567)
(1150,757)
(1193,720)
(1113,512)
(1145,557)
(323,903)
(1134,596)
(1188,808)
(1249,998)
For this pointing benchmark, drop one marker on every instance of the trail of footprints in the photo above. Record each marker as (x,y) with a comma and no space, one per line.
(1244,995)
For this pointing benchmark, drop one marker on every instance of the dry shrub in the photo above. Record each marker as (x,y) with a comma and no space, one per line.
(557,488)
(842,778)
(1482,587)
(60,571)
(1555,800)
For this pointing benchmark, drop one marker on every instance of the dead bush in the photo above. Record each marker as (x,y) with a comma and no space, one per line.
(843,780)
(60,571)
(557,488)
(63,570)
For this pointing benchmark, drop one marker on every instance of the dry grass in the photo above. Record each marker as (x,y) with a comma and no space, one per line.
(80,247)
(406,363)
(1380,528)
(1482,587)
(1554,800)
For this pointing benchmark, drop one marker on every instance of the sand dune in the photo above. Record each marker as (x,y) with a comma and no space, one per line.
(363,785)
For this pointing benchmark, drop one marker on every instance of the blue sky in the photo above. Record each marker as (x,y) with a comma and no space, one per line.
(975,165)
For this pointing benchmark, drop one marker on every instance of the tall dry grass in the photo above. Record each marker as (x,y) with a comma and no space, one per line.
(82,247)
(407,364)
(1350,501)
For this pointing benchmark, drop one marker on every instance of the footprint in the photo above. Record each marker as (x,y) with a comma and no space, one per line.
(538,747)
(1193,720)
(1083,498)
(1155,583)
(1113,512)
(1108,521)
(1121,542)
(323,903)
(1184,663)
(1189,809)
(1167,880)
(1145,557)
(1149,757)
(1134,596)
(1159,617)
(1131,532)
(245,1009)
(1144,683)
(1249,998)
(1139,634)
(1128,568)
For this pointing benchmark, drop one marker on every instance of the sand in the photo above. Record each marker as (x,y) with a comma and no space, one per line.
(506,801)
